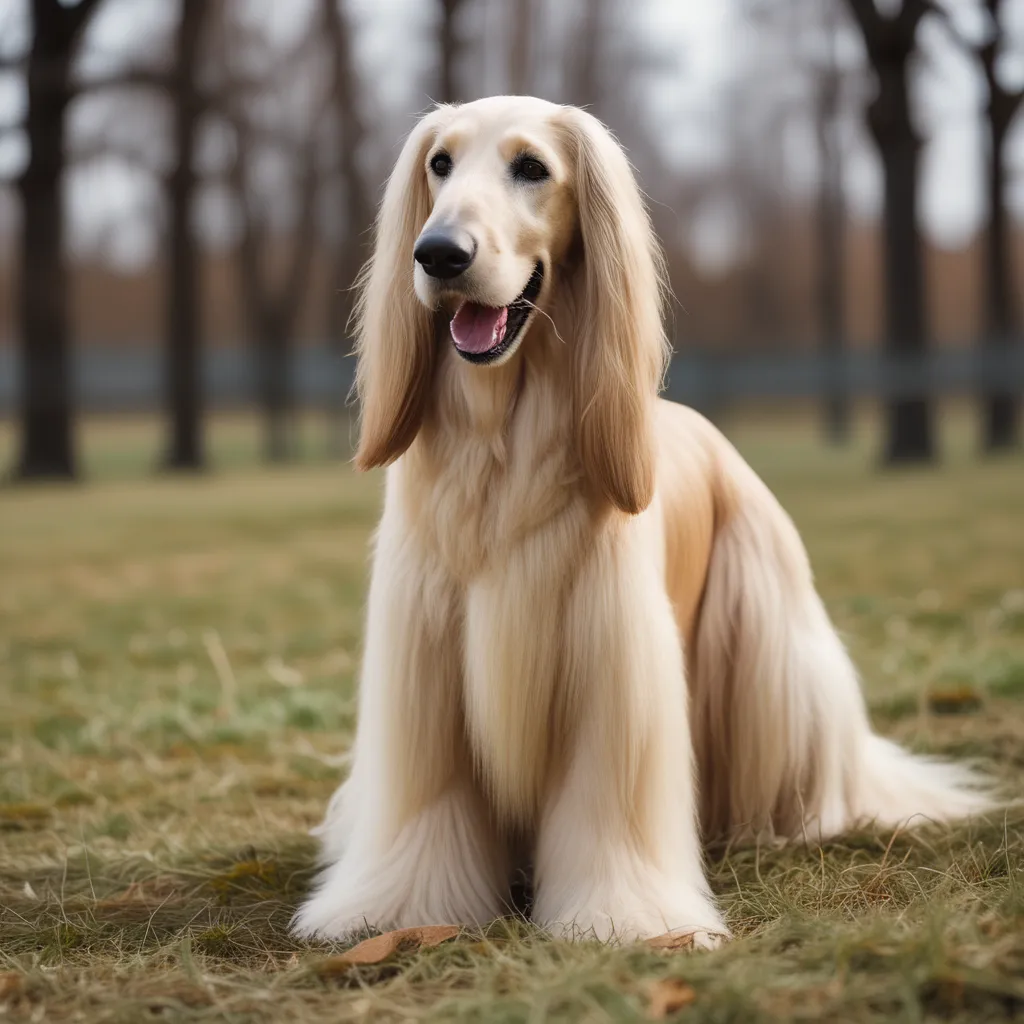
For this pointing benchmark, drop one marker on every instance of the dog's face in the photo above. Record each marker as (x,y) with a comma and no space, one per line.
(502,215)
(498,211)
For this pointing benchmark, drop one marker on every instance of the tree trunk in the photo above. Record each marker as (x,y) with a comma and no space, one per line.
(273,307)
(275,393)
(831,228)
(909,433)
(352,250)
(908,416)
(583,81)
(891,42)
(183,338)
(47,443)
(448,44)
(520,37)
(831,270)
(1001,404)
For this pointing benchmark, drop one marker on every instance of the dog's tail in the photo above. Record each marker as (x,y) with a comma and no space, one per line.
(781,732)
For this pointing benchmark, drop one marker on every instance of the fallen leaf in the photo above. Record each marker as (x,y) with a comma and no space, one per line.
(248,874)
(667,996)
(23,816)
(956,701)
(380,947)
(12,985)
(139,894)
(671,941)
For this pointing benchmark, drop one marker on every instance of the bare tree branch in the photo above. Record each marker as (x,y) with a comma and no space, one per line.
(77,17)
(297,275)
(868,16)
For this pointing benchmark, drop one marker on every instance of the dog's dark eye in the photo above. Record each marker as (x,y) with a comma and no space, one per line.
(529,168)
(441,165)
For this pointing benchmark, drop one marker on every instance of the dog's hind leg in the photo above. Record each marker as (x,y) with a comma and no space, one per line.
(782,735)
(408,839)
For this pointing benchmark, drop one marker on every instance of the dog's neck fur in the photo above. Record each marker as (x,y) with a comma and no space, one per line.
(495,457)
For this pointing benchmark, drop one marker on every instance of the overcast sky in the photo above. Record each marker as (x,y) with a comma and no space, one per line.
(111,205)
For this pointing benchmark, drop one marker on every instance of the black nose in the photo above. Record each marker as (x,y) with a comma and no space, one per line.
(441,254)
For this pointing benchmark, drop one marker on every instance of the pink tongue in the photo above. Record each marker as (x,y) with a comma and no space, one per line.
(476,328)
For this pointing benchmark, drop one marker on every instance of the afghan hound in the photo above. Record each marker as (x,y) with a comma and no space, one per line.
(592,634)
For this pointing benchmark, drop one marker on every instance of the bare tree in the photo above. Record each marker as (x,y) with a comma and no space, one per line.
(351,247)
(277,120)
(1001,406)
(448,46)
(584,79)
(183,337)
(351,136)
(520,46)
(47,443)
(767,95)
(890,41)
(831,224)
(272,306)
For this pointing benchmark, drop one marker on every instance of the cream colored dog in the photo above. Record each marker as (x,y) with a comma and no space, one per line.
(592,630)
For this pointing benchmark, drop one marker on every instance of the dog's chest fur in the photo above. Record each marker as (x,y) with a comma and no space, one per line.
(493,493)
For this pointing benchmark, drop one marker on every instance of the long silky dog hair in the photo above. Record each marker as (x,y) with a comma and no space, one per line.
(593,636)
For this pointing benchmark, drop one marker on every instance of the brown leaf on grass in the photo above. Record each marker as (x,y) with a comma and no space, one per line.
(959,700)
(12,985)
(129,895)
(248,875)
(23,816)
(671,941)
(667,996)
(151,892)
(380,947)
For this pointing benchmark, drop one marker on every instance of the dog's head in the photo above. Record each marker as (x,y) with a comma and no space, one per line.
(496,211)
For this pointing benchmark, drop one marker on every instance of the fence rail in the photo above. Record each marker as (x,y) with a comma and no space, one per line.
(113,379)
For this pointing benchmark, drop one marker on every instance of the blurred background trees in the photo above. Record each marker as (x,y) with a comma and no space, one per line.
(187,187)
(995,51)
(890,42)
(46,400)
(184,329)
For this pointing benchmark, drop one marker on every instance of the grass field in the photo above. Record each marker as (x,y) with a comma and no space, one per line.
(176,699)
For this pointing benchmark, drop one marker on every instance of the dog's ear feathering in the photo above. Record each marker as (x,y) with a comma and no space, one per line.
(394,331)
(621,349)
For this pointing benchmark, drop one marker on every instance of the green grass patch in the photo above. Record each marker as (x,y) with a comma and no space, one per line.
(177,663)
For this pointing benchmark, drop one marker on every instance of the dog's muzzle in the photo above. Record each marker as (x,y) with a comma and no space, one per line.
(443,253)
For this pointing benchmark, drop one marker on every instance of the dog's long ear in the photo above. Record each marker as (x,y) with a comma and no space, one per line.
(620,345)
(394,331)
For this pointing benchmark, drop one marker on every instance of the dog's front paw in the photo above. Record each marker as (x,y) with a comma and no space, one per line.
(437,871)
(673,916)
(331,916)
(624,928)
(349,907)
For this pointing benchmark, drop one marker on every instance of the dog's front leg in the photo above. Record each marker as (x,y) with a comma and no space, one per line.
(408,837)
(618,854)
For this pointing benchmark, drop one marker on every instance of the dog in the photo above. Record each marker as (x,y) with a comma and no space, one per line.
(593,636)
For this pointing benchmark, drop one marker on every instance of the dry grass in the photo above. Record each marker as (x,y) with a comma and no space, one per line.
(176,673)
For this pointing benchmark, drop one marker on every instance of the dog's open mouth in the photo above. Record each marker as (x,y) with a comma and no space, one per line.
(483,334)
